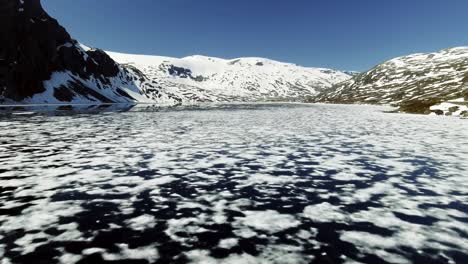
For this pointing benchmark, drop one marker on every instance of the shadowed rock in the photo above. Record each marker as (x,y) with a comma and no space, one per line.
(33,45)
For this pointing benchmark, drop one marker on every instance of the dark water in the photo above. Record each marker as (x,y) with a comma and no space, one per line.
(256,183)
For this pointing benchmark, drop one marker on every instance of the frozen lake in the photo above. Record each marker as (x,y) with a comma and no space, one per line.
(237,183)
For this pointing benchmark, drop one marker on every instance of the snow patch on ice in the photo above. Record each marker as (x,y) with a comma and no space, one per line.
(269,221)
(324,212)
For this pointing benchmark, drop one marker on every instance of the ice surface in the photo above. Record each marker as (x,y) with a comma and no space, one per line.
(235,183)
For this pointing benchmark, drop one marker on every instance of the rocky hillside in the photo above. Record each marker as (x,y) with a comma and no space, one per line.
(419,83)
(41,63)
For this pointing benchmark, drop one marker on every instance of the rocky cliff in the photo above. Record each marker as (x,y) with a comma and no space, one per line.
(35,50)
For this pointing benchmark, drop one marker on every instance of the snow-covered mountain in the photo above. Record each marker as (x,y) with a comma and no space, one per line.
(419,83)
(200,78)
(164,80)
(40,63)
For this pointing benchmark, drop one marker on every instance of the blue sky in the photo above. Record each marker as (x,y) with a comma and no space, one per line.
(340,34)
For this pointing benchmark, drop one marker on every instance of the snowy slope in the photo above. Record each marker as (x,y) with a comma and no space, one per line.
(415,82)
(169,81)
(200,78)
(68,86)
(40,63)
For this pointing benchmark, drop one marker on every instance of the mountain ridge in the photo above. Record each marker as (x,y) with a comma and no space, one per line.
(40,63)
(242,79)
(416,83)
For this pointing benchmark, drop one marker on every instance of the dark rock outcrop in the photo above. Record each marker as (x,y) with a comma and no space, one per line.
(28,46)
(179,72)
(183,73)
(33,46)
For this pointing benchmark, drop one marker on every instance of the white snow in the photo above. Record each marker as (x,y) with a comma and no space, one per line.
(228,243)
(270,221)
(324,212)
(242,78)
(142,222)
(149,253)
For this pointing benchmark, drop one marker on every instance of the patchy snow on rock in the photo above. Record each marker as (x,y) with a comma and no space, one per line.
(414,82)
(452,108)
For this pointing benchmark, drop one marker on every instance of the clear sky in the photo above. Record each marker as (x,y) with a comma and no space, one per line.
(340,34)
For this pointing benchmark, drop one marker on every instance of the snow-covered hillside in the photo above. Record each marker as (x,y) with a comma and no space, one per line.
(55,68)
(169,81)
(200,78)
(415,83)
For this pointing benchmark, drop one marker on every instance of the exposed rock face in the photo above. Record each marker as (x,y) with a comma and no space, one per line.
(33,46)
(29,47)
(414,83)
